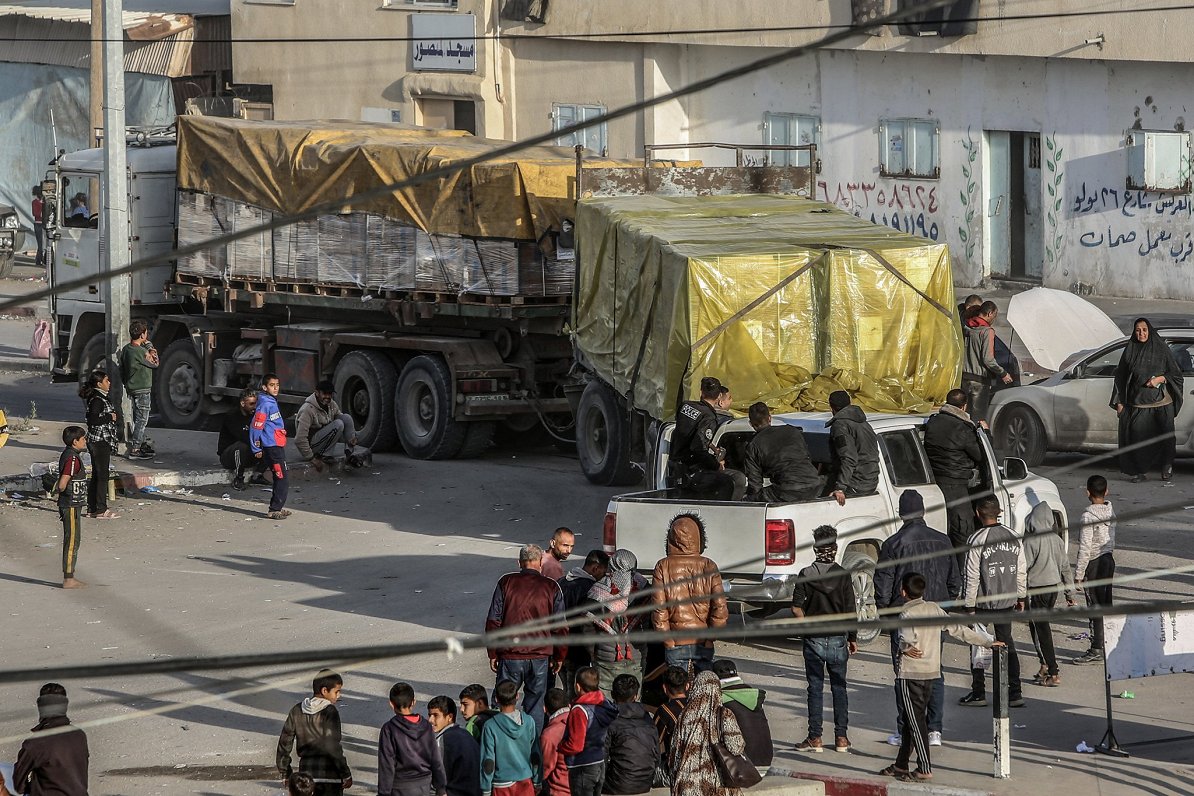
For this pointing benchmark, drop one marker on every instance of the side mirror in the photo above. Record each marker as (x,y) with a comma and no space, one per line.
(1015,469)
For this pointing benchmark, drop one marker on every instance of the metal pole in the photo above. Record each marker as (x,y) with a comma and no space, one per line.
(95,104)
(114,220)
(1001,735)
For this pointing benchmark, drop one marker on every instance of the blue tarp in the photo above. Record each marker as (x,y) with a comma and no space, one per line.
(28,92)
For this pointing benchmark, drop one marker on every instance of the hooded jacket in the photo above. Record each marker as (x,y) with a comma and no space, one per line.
(632,750)
(509,751)
(855,452)
(575,588)
(980,362)
(312,417)
(927,639)
(781,454)
(684,575)
(313,727)
(53,764)
(588,722)
(268,429)
(407,751)
(951,443)
(1044,552)
(746,704)
(914,539)
(823,590)
(555,767)
(996,573)
(461,754)
(527,596)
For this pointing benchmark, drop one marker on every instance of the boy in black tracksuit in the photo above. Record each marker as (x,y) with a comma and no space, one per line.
(72,496)
(313,728)
(409,762)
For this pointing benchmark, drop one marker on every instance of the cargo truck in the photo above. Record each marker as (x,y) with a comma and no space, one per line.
(441,312)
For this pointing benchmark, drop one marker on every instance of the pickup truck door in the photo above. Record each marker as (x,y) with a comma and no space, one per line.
(1007,499)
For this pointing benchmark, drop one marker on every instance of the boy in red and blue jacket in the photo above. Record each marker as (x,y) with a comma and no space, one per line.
(267,438)
(584,735)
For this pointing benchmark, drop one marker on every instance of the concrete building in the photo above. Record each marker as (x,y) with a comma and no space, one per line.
(1044,140)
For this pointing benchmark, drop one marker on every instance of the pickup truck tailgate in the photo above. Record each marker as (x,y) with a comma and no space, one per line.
(734,531)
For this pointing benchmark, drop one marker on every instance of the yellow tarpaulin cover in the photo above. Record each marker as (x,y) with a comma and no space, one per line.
(784,299)
(288,167)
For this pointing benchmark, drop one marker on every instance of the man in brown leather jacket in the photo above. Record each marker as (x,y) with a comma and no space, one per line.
(689,596)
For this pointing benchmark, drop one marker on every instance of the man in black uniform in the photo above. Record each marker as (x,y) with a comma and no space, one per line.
(233,445)
(778,453)
(854,447)
(692,441)
(951,442)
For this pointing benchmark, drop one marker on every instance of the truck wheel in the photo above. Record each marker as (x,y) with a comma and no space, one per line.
(92,356)
(365,382)
(6,264)
(603,438)
(1020,433)
(477,440)
(178,387)
(423,411)
(861,566)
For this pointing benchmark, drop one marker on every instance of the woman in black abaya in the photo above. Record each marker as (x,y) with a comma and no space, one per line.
(1147,397)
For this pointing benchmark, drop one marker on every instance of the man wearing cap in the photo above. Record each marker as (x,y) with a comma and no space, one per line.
(54,759)
(916,547)
(692,442)
(780,454)
(854,447)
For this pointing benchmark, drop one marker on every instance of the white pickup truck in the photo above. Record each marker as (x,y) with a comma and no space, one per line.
(760,547)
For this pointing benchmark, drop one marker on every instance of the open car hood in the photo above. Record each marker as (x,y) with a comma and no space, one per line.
(1056,324)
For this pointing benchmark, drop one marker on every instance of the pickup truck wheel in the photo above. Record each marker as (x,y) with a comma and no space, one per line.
(1020,433)
(423,411)
(603,438)
(365,383)
(178,387)
(862,572)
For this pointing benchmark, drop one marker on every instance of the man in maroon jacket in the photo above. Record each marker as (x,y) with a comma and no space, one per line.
(525,597)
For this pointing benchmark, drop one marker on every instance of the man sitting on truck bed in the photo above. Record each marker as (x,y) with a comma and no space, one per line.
(702,462)
(320,424)
(855,449)
(778,453)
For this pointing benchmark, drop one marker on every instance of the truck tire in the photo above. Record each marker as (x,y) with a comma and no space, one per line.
(365,383)
(6,264)
(603,438)
(423,407)
(178,387)
(861,565)
(92,356)
(1021,433)
(477,440)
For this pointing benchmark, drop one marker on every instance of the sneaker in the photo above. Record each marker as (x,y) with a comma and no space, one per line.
(1016,701)
(934,738)
(895,739)
(1052,681)
(810,744)
(238,483)
(147,449)
(280,514)
(139,454)
(975,699)
(259,479)
(841,744)
(1091,656)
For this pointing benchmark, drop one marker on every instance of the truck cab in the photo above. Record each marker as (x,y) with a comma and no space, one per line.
(761,547)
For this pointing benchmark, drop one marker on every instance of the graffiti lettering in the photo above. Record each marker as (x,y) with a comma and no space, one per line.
(905,206)
(1158,225)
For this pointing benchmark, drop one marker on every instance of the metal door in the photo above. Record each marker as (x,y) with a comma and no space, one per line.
(997,231)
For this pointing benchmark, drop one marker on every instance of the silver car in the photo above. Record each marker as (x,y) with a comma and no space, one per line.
(1070,411)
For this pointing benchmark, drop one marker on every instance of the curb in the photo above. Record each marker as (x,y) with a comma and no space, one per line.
(845,786)
(131,481)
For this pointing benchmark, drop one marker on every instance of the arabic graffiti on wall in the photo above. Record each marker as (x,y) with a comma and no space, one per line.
(1151,226)
(907,206)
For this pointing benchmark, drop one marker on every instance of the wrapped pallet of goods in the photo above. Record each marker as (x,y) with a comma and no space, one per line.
(251,257)
(199,220)
(783,298)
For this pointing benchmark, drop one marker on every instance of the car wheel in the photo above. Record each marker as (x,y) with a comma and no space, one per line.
(861,566)
(1022,435)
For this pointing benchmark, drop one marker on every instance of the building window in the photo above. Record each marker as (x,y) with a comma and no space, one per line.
(591,138)
(447,113)
(1158,161)
(268,2)
(423,3)
(908,148)
(790,129)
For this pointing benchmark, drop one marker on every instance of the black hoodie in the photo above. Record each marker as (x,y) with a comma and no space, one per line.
(822,590)
(631,751)
(54,764)
(855,452)
(407,751)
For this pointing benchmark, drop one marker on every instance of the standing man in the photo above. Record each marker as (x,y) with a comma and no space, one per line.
(703,463)
(233,446)
(267,438)
(138,361)
(522,597)
(996,581)
(575,587)
(916,548)
(688,595)
(824,588)
(981,370)
(951,443)
(854,448)
(558,550)
(780,454)
(38,211)
(320,425)
(54,759)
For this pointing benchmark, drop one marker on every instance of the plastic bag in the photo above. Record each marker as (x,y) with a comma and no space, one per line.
(40,347)
(980,657)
